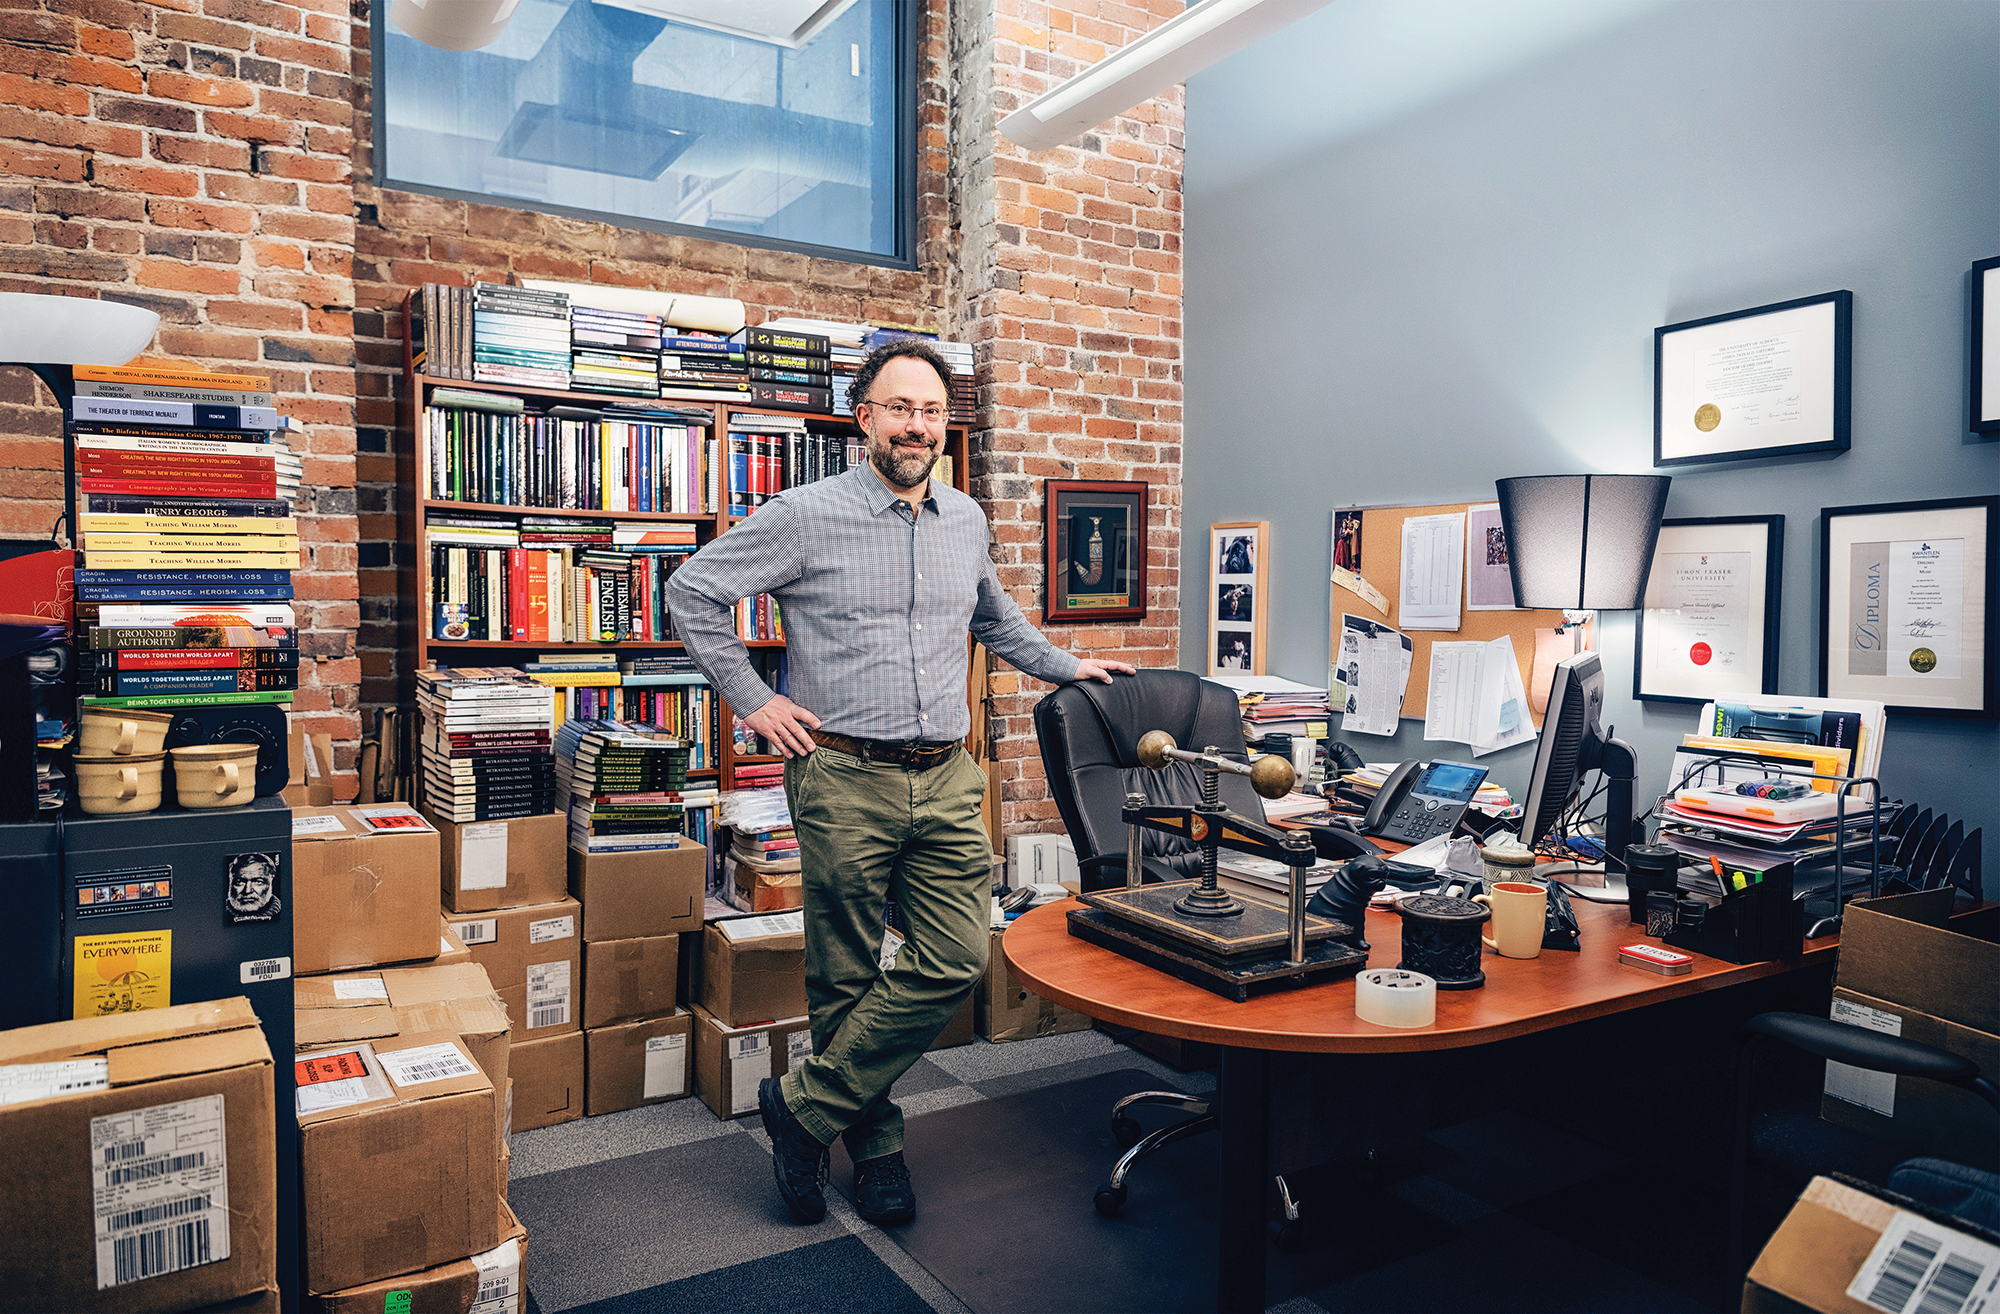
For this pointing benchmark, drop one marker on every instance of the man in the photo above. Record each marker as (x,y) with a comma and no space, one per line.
(880,573)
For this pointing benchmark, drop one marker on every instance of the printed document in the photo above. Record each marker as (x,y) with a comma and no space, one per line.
(1433,572)
(1370,674)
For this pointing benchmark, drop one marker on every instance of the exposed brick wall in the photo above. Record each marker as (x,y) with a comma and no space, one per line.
(193,157)
(1072,291)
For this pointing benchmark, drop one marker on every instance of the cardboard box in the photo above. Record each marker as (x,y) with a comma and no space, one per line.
(262,1302)
(629,895)
(958,1031)
(503,864)
(759,889)
(535,959)
(635,1063)
(451,949)
(376,1006)
(506,1154)
(1904,971)
(753,969)
(449,1288)
(310,783)
(624,980)
(1004,1009)
(548,1081)
(362,896)
(398,1167)
(730,1061)
(1841,1237)
(130,1098)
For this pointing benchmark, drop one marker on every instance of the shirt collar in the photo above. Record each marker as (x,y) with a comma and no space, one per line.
(880,496)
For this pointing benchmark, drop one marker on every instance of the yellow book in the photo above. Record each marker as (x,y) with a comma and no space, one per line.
(190,560)
(108,524)
(571,679)
(187,378)
(163,543)
(1825,761)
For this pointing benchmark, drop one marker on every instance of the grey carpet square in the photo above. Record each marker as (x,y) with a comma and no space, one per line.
(829,1277)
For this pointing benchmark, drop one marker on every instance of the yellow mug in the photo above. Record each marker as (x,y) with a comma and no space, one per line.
(215,775)
(1520,912)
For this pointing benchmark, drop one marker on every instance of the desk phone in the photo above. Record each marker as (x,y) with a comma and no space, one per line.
(1416,804)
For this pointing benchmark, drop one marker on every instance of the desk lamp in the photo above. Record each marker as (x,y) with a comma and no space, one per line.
(1582,543)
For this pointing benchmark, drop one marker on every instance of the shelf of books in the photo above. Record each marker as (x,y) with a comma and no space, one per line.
(557,463)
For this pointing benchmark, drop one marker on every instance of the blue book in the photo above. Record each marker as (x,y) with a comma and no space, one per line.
(184,593)
(123,578)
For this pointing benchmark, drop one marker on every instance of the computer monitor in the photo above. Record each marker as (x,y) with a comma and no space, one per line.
(1573,744)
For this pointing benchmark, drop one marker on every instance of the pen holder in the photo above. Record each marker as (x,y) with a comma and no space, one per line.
(1441,940)
(1753,925)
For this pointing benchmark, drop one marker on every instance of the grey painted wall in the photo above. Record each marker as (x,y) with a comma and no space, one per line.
(1400,310)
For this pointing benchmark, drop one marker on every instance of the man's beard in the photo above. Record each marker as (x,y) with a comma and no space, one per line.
(902,468)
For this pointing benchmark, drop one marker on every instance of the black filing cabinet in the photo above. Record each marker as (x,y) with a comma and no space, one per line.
(175,907)
(31,931)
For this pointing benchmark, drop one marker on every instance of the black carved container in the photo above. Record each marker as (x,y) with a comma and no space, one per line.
(1441,940)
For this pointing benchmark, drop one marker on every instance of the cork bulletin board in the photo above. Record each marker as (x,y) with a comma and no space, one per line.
(1381,551)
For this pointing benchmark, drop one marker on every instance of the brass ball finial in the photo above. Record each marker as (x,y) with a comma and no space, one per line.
(1153,748)
(1271,776)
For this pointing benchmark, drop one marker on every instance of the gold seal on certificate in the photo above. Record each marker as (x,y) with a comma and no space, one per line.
(1923,661)
(1707,416)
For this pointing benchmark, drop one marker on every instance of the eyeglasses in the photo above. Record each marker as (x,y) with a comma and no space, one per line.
(900,411)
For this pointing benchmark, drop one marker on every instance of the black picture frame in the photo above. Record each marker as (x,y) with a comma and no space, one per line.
(1094,543)
(1686,534)
(1824,373)
(1846,531)
(1984,411)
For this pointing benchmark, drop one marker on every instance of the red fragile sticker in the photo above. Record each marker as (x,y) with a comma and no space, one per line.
(316,1068)
(398,821)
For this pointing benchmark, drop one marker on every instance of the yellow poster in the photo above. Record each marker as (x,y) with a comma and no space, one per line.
(123,973)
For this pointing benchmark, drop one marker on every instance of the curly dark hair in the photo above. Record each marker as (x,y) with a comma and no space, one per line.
(864,378)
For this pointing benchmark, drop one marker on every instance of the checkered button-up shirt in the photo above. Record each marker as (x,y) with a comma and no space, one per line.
(876,602)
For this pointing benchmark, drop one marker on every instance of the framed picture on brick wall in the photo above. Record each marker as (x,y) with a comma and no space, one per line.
(1238,568)
(1095,540)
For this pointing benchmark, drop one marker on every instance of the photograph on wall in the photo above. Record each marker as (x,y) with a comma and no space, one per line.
(1709,628)
(1237,571)
(1096,538)
(1986,346)
(1489,580)
(1347,540)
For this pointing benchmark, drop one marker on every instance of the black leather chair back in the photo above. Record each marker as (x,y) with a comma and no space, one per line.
(1089,733)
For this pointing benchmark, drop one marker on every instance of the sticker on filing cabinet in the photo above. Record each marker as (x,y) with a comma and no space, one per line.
(337,1078)
(122,973)
(482,856)
(666,1067)
(134,890)
(159,1190)
(551,928)
(1919,1267)
(756,928)
(548,995)
(798,1048)
(251,894)
(363,987)
(484,931)
(892,944)
(264,969)
(499,1279)
(1871,1090)
(749,1064)
(21,1082)
(422,1063)
(396,818)
(325,824)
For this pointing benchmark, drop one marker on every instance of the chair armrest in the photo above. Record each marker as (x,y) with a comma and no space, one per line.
(1108,869)
(1863,1049)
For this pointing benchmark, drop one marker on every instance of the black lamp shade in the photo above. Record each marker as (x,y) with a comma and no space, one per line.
(1582,542)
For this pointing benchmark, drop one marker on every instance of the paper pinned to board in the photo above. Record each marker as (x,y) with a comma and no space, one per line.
(1433,574)
(1361,588)
(1371,673)
(1475,696)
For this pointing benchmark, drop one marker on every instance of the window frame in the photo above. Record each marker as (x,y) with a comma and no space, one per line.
(908,41)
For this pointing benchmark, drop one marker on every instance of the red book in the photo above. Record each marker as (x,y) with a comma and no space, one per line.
(517,593)
(186,659)
(116,460)
(538,595)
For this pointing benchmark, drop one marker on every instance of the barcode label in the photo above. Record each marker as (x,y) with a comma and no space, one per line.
(798,1048)
(484,931)
(422,1063)
(756,928)
(1869,1089)
(1919,1267)
(499,1279)
(666,1067)
(159,1190)
(548,995)
(21,1082)
(265,969)
(551,928)
(367,987)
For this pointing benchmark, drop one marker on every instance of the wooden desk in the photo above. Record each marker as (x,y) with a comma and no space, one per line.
(1521,996)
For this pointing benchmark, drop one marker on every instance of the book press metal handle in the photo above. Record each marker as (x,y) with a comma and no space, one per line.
(1213,826)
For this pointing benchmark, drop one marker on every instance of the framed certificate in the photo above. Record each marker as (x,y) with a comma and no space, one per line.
(1095,535)
(1986,346)
(1906,604)
(1238,568)
(1765,382)
(1709,628)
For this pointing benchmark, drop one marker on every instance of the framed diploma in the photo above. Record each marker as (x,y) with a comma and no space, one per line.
(1765,382)
(1095,537)
(1709,628)
(1986,346)
(1906,604)
(1238,568)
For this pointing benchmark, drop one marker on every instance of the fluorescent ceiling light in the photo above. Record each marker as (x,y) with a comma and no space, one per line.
(1169,54)
(453,24)
(788,23)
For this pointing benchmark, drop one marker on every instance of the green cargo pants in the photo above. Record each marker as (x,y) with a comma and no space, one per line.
(868,831)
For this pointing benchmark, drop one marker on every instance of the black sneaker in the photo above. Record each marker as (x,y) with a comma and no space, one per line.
(882,1191)
(798,1160)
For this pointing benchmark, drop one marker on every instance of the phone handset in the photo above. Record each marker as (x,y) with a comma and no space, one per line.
(1390,797)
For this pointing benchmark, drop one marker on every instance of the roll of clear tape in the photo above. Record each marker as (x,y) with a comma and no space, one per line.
(1391,997)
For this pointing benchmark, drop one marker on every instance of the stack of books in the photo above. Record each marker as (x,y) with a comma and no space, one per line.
(846,348)
(665,691)
(520,336)
(789,369)
(701,366)
(616,351)
(485,744)
(626,786)
(762,872)
(186,523)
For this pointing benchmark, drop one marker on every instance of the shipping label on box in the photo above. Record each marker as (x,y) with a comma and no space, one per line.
(534,957)
(503,864)
(644,1062)
(364,894)
(730,1062)
(1850,1248)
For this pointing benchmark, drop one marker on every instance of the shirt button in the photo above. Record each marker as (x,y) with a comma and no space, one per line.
(922,671)
(923,718)
(920,625)
(920,574)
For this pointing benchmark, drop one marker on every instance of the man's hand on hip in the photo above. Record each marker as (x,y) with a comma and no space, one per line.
(784,723)
(1095,670)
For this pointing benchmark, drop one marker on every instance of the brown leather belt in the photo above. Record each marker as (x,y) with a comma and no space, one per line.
(913,755)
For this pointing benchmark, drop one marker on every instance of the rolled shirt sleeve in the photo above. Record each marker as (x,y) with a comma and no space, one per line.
(760,555)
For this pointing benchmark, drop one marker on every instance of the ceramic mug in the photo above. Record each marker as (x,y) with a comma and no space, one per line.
(121,732)
(1520,912)
(111,783)
(215,775)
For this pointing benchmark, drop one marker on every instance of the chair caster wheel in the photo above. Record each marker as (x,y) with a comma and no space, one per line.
(1109,1200)
(1289,1235)
(1126,1132)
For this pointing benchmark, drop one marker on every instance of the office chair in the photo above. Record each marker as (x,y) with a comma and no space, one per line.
(1968,1191)
(1088,733)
